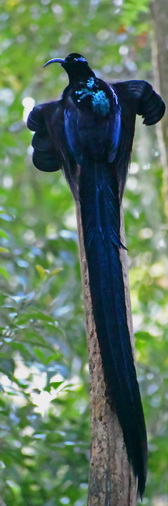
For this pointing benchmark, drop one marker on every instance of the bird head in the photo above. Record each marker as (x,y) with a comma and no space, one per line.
(75,65)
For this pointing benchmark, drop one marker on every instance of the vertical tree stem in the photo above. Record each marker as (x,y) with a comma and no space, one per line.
(160,66)
(159,12)
(111,479)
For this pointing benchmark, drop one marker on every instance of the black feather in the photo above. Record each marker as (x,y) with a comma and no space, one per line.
(89,132)
(101,225)
(136,97)
(95,141)
(45,157)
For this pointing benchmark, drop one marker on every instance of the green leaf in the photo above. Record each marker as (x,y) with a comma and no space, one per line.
(4,273)
(3,234)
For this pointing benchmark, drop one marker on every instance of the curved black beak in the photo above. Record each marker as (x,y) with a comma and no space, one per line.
(54,60)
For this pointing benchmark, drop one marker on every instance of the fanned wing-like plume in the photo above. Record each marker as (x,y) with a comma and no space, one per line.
(45,155)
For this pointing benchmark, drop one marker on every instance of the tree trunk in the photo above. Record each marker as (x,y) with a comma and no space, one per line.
(160,66)
(111,479)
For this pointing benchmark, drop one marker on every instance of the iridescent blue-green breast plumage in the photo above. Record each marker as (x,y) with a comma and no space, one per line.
(99,101)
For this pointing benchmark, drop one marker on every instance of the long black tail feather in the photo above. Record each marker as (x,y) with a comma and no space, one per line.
(98,190)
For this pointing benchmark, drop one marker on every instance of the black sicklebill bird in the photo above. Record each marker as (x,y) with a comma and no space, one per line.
(89,133)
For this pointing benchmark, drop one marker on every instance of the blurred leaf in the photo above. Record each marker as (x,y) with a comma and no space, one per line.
(41,271)
(3,234)
(55,271)
(4,250)
(4,273)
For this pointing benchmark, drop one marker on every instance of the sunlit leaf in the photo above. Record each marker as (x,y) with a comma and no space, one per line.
(4,250)
(3,234)
(41,271)
(55,271)
(4,273)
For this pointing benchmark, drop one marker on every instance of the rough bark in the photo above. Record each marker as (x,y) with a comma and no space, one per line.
(111,479)
(160,68)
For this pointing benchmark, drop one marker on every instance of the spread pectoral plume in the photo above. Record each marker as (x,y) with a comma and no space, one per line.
(89,133)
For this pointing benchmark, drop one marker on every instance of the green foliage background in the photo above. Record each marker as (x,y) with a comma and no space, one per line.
(44,396)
